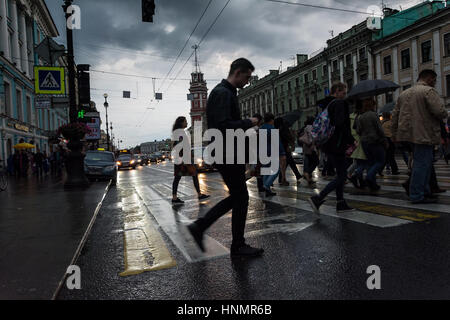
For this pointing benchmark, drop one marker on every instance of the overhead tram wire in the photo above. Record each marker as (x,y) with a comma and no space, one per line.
(332,8)
(185,44)
(201,40)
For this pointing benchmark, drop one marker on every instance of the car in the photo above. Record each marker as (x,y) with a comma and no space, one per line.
(297,155)
(200,163)
(100,165)
(126,161)
(145,160)
(159,156)
(154,158)
(141,159)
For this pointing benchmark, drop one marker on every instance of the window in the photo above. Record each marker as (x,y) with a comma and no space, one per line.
(307,101)
(8,107)
(296,82)
(362,53)
(290,105)
(335,65)
(48,120)
(29,110)
(426,51)
(348,60)
(387,65)
(19,105)
(298,103)
(447,45)
(349,85)
(363,77)
(324,71)
(306,78)
(289,85)
(314,74)
(447,77)
(37,121)
(406,59)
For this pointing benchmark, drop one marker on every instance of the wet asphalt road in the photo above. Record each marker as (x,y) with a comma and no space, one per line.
(305,257)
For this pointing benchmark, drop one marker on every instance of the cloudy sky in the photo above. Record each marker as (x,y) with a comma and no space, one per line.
(113,39)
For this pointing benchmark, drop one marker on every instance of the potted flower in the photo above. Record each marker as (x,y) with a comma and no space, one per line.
(74,131)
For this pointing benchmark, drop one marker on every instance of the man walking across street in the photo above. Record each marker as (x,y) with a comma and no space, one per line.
(416,119)
(223,113)
(335,149)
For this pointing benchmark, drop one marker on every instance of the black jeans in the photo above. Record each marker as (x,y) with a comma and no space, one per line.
(176,181)
(339,163)
(234,177)
(291,163)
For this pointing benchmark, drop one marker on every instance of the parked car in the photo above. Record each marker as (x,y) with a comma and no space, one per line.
(126,161)
(297,155)
(100,165)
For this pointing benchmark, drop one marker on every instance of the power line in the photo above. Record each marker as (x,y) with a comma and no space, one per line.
(140,76)
(201,40)
(187,41)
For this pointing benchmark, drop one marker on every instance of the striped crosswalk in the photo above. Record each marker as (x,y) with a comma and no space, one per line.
(287,213)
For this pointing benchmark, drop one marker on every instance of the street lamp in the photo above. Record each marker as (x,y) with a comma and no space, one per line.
(107,130)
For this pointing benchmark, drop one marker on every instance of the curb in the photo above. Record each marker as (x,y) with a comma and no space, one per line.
(83,240)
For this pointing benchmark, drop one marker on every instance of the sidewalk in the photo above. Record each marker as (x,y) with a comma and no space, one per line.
(41,226)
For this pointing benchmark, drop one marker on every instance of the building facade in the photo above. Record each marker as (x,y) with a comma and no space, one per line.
(199,94)
(301,87)
(421,42)
(409,41)
(155,146)
(23,25)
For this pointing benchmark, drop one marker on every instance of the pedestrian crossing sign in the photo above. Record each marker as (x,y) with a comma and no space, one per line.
(49,80)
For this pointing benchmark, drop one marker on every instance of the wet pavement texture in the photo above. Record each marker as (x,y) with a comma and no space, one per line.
(305,257)
(41,225)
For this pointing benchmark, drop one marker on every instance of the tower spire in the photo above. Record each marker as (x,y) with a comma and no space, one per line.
(197,65)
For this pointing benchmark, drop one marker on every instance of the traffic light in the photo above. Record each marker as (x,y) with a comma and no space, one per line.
(148,10)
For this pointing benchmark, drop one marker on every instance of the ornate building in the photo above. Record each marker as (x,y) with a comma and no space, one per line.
(199,95)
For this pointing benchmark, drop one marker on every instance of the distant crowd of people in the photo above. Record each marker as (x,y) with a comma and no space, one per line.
(24,163)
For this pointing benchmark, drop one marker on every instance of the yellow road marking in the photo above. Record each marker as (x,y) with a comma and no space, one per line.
(406,214)
(144,247)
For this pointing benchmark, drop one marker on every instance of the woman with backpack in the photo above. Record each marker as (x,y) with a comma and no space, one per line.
(338,138)
(358,155)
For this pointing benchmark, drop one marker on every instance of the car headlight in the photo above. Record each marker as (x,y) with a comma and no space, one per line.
(132,161)
(119,163)
(294,153)
(110,168)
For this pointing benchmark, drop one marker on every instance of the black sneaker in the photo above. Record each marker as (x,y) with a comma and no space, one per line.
(177,201)
(197,235)
(342,206)
(203,196)
(269,193)
(246,251)
(315,203)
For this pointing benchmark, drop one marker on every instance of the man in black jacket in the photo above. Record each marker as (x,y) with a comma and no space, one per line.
(335,148)
(223,113)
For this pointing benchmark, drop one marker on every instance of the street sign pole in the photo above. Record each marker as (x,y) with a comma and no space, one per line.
(71,65)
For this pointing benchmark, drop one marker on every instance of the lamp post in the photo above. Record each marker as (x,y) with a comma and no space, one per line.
(112,138)
(71,66)
(107,130)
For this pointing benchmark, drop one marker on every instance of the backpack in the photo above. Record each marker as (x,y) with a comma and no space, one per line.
(322,128)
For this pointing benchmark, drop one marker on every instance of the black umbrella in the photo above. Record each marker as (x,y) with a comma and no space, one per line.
(387,107)
(290,118)
(370,88)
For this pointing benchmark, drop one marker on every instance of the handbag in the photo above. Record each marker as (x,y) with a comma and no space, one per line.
(350,149)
